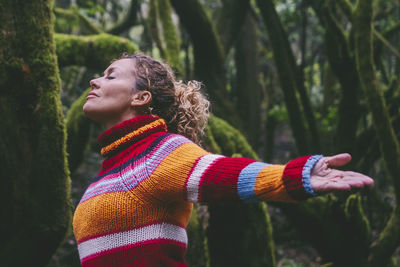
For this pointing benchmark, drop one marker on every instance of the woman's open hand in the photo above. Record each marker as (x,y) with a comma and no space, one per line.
(324,179)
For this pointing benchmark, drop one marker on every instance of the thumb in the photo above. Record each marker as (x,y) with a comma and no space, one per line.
(338,160)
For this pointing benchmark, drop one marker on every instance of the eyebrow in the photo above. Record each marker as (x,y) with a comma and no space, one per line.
(110,70)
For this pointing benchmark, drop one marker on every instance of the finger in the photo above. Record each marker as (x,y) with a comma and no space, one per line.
(338,160)
(355,177)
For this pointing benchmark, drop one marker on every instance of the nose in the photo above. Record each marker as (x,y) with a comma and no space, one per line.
(94,84)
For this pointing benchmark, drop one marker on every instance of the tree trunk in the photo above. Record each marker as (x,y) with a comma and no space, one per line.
(285,64)
(33,161)
(248,89)
(208,56)
(389,239)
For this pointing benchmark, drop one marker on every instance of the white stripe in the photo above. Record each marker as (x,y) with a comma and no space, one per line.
(194,179)
(150,232)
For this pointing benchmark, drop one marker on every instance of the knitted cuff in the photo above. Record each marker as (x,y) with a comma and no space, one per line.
(296,177)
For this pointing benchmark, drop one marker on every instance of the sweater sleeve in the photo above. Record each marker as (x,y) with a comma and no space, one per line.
(204,177)
(218,178)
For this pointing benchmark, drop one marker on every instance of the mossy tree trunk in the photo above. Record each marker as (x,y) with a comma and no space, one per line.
(208,55)
(34,169)
(389,238)
(247,90)
(341,59)
(287,71)
(231,20)
(164,33)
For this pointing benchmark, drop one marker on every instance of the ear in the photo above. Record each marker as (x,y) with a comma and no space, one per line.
(141,99)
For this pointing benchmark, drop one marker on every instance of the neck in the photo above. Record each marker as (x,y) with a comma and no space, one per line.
(115,121)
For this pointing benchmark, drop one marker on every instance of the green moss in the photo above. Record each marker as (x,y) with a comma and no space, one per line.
(170,36)
(153,21)
(355,214)
(196,254)
(228,139)
(79,128)
(32,137)
(93,51)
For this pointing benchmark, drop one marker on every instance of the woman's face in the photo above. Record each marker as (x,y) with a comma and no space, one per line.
(110,100)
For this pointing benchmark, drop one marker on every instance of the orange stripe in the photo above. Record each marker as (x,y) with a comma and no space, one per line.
(130,136)
(269,184)
(147,203)
(119,211)
(168,179)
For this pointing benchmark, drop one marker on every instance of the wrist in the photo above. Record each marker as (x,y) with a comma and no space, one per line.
(307,169)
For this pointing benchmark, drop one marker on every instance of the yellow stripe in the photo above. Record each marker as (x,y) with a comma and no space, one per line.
(269,184)
(130,136)
(120,211)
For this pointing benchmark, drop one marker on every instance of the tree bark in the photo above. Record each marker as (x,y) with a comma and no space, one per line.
(32,137)
(389,239)
(208,56)
(247,90)
(230,21)
(285,64)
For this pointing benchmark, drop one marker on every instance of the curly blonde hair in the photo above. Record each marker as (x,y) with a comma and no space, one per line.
(183,106)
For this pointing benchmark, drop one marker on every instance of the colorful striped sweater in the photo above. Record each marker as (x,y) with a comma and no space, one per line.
(135,211)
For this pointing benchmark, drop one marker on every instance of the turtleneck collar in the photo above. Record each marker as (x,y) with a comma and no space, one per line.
(128,132)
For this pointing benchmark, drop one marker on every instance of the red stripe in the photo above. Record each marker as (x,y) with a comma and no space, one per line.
(150,253)
(128,153)
(293,178)
(219,181)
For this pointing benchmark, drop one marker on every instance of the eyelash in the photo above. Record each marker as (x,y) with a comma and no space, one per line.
(110,78)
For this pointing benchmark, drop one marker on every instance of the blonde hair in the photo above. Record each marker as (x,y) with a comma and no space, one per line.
(183,106)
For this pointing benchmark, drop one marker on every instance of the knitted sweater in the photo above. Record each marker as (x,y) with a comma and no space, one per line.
(135,211)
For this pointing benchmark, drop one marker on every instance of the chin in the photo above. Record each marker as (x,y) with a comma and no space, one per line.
(91,112)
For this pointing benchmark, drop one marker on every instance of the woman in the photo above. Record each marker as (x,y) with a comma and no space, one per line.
(134,213)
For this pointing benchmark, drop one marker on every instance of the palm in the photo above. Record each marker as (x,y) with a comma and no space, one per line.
(324,179)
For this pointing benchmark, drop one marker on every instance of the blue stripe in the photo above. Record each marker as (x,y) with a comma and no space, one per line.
(306,173)
(247,181)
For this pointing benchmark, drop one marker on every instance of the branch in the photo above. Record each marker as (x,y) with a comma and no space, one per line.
(387,43)
(85,26)
(95,51)
(230,21)
(129,21)
(347,8)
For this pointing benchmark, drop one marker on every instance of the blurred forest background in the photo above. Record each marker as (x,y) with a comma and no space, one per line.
(292,77)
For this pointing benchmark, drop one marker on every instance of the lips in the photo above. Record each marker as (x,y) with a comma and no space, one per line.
(91,95)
